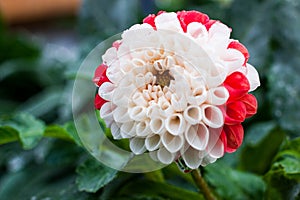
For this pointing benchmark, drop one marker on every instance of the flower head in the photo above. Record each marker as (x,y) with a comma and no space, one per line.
(178,87)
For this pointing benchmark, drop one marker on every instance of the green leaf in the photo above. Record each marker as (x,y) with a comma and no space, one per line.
(92,175)
(23,127)
(156,190)
(233,184)
(284,177)
(262,142)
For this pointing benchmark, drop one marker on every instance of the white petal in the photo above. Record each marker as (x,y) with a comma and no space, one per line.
(143,128)
(216,75)
(234,59)
(153,155)
(192,114)
(199,95)
(165,156)
(152,142)
(178,102)
(218,96)
(191,158)
(137,113)
(253,77)
(110,56)
(157,125)
(212,116)
(175,124)
(138,99)
(172,143)
(115,131)
(168,21)
(106,91)
(128,129)
(137,145)
(121,115)
(106,113)
(215,147)
(207,160)
(197,30)
(197,136)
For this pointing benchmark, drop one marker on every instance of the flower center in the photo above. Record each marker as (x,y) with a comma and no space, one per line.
(163,79)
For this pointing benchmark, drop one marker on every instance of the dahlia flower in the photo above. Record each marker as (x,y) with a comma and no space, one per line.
(178,88)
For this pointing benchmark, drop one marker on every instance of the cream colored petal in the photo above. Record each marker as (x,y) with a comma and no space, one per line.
(215,147)
(207,160)
(159,66)
(216,76)
(143,128)
(192,114)
(197,136)
(169,62)
(138,99)
(110,56)
(179,103)
(212,116)
(137,113)
(106,113)
(198,96)
(137,145)
(153,155)
(197,30)
(152,142)
(157,125)
(168,21)
(106,91)
(217,96)
(115,131)
(253,77)
(121,115)
(191,158)
(171,142)
(165,156)
(175,124)
(128,129)
(234,59)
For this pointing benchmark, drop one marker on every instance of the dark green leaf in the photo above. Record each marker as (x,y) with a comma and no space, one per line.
(92,175)
(284,177)
(261,145)
(232,184)
(22,126)
(156,190)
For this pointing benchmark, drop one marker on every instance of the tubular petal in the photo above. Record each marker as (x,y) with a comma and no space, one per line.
(197,136)
(171,142)
(137,145)
(212,116)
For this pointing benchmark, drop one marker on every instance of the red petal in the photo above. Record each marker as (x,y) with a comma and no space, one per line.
(98,102)
(209,24)
(100,75)
(240,47)
(234,136)
(186,17)
(150,20)
(235,112)
(251,104)
(237,85)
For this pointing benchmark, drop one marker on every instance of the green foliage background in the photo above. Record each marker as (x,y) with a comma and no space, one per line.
(41,156)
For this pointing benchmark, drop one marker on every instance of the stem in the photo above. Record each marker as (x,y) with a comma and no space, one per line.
(202,185)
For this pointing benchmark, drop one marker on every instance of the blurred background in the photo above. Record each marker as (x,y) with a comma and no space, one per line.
(43,43)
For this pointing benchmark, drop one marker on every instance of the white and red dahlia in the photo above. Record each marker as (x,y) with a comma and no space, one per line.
(177,87)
